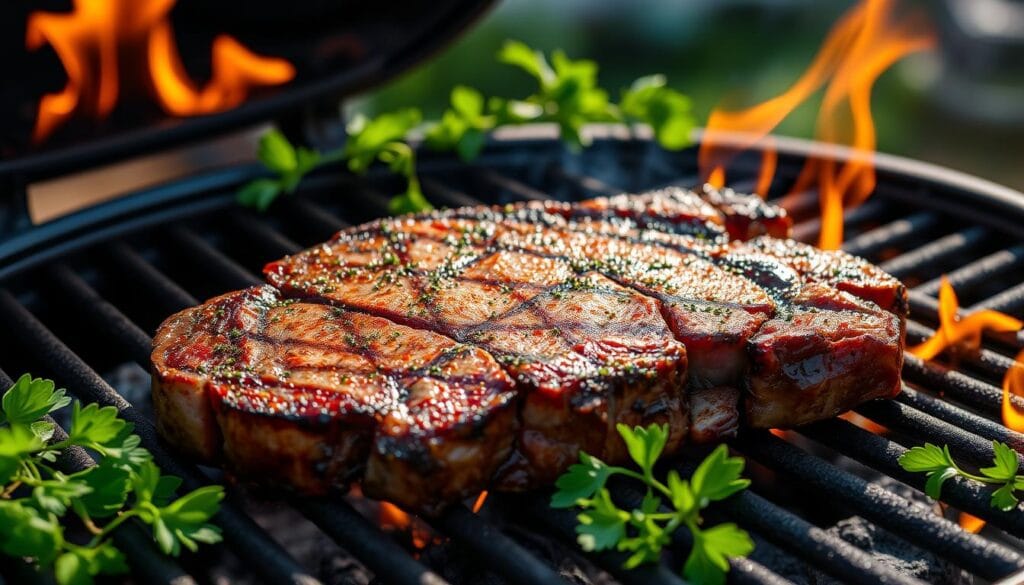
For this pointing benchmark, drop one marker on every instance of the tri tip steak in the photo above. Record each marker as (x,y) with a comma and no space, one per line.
(436,355)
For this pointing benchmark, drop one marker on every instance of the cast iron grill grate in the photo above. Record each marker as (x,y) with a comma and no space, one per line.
(80,296)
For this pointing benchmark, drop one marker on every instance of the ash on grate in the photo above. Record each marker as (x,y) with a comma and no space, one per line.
(461,566)
(894,552)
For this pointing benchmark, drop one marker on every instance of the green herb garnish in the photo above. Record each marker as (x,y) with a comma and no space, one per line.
(567,94)
(645,531)
(36,499)
(938,464)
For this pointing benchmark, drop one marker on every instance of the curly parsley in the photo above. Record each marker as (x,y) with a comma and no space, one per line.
(567,94)
(938,464)
(645,531)
(36,499)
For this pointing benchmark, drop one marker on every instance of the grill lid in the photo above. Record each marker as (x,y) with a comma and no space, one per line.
(335,48)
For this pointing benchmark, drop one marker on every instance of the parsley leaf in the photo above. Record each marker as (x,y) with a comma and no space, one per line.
(277,153)
(938,464)
(28,532)
(645,531)
(94,426)
(80,565)
(718,476)
(1004,499)
(1004,465)
(926,458)
(108,489)
(602,525)
(259,193)
(582,481)
(31,399)
(55,495)
(667,111)
(15,442)
(519,54)
(567,93)
(35,499)
(644,444)
(709,560)
(186,521)
(463,126)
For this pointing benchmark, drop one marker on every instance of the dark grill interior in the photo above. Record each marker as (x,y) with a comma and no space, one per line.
(81,297)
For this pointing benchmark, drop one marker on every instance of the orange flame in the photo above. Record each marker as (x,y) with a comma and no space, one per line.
(479,503)
(1013,385)
(863,422)
(394,518)
(858,49)
(99,43)
(961,333)
(964,334)
(971,524)
(391,516)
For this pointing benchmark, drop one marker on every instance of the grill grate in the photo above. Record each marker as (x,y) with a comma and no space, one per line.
(117,280)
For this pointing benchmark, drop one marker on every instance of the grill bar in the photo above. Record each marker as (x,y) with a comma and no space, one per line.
(966,277)
(809,230)
(217,265)
(960,418)
(992,363)
(357,535)
(901,417)
(1010,301)
(445,195)
(882,454)
(138,270)
(828,552)
(985,398)
(102,315)
(934,252)
(891,234)
(511,560)
(982,557)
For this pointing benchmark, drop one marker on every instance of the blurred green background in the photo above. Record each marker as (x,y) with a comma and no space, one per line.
(933,107)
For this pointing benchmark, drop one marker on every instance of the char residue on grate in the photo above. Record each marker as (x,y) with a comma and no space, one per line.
(828,504)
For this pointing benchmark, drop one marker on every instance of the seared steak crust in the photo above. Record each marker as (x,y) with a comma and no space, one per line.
(315,394)
(678,307)
(585,352)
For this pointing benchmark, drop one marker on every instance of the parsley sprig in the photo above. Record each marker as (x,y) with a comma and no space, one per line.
(938,464)
(567,94)
(665,506)
(37,499)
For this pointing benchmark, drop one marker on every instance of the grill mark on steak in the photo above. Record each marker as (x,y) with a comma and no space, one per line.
(582,348)
(316,394)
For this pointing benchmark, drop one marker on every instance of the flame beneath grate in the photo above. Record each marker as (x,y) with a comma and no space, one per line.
(961,334)
(1013,385)
(112,47)
(971,524)
(393,518)
(859,48)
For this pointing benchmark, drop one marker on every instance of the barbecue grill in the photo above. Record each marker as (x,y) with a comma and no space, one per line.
(80,295)
(82,292)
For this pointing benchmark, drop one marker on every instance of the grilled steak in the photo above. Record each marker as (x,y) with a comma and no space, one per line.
(314,394)
(677,307)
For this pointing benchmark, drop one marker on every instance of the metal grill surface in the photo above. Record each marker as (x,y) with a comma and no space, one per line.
(81,296)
